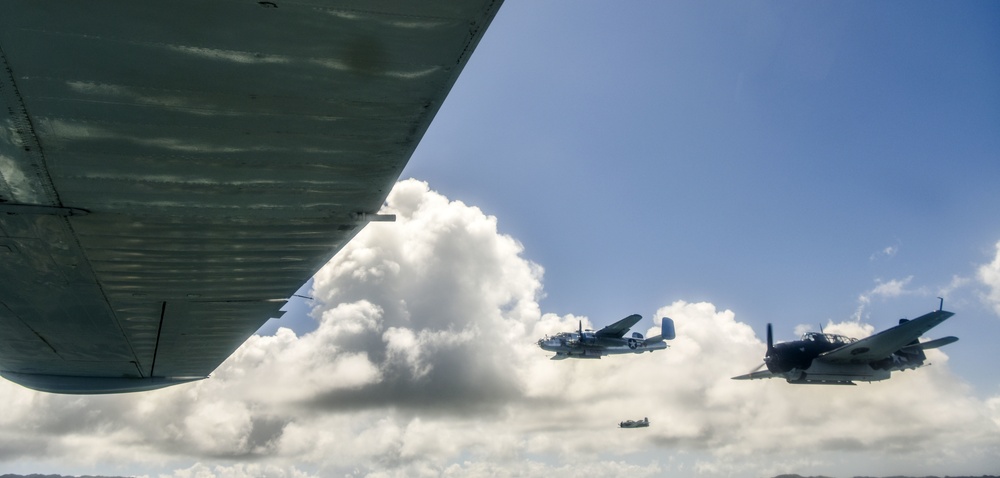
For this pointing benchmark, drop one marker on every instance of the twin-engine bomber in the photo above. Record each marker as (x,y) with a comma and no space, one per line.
(607,341)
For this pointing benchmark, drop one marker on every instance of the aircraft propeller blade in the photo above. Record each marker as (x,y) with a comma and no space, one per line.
(762,364)
(770,355)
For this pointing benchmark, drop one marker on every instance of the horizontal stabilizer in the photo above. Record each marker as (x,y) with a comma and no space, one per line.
(932,344)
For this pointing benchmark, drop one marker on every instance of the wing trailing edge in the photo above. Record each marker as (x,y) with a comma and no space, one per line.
(92,385)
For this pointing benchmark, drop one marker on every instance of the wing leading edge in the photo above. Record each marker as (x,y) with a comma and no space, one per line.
(618,329)
(761,374)
(173,174)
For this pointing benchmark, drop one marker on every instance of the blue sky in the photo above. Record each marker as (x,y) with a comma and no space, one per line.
(758,155)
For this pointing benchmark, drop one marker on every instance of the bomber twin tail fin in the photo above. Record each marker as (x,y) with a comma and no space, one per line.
(666,332)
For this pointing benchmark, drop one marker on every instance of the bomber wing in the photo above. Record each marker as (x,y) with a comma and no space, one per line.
(619,328)
(170,173)
(883,344)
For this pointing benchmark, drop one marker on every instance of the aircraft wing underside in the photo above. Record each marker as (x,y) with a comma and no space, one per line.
(759,374)
(171,173)
(885,343)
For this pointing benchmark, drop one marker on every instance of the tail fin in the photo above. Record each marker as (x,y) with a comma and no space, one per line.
(667,328)
(666,331)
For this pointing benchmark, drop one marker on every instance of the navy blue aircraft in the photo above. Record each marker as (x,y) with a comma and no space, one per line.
(820,358)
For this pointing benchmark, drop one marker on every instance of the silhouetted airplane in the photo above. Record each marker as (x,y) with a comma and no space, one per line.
(835,359)
(634,423)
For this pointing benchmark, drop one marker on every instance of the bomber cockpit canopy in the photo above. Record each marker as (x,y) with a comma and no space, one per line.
(566,336)
(574,338)
(829,338)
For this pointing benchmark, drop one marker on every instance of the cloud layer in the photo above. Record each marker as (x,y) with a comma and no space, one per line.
(989,275)
(423,363)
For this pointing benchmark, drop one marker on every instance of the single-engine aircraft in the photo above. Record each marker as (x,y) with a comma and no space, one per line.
(607,341)
(821,358)
(634,423)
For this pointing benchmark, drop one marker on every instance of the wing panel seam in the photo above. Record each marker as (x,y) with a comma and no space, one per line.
(159,333)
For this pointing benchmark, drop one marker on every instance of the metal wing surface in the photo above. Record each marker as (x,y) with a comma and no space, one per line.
(883,344)
(619,328)
(171,172)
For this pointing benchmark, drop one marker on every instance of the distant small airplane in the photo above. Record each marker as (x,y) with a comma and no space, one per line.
(607,341)
(820,358)
(634,423)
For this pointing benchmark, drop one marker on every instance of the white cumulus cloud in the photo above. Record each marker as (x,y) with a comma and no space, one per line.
(424,363)
(989,275)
